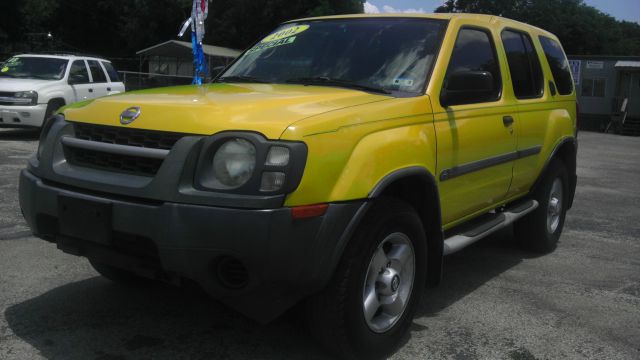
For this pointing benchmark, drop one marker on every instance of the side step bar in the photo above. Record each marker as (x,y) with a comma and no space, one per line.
(487,226)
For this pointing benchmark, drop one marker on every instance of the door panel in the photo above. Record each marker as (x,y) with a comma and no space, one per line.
(475,132)
(475,158)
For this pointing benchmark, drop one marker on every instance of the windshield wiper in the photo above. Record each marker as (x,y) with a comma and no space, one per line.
(322,80)
(240,79)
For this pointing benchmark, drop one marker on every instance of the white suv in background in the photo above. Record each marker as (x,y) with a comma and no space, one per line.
(33,87)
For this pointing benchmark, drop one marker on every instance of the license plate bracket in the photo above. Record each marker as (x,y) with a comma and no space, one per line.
(85,219)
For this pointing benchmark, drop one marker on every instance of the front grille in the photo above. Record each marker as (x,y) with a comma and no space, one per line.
(113,162)
(120,136)
(124,136)
(6,94)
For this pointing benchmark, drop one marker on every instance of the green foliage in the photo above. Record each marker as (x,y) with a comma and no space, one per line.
(582,29)
(118,28)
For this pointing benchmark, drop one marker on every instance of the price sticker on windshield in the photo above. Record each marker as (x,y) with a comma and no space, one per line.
(4,69)
(279,38)
(285,33)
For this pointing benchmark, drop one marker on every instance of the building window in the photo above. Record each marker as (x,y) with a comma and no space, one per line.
(593,87)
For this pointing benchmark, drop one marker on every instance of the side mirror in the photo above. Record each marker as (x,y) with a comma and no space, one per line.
(465,87)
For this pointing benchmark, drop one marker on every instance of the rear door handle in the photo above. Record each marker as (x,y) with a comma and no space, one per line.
(90,90)
(507,120)
(108,89)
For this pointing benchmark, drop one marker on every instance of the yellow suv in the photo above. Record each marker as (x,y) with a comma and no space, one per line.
(336,161)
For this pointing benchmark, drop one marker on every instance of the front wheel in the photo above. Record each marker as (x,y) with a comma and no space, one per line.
(370,302)
(540,230)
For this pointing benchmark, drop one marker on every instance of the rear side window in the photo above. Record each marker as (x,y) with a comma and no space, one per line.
(96,72)
(474,51)
(78,72)
(113,74)
(526,74)
(558,64)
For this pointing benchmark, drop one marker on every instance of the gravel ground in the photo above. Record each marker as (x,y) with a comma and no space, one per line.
(496,302)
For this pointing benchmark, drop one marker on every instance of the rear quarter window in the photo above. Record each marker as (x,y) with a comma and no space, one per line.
(111,71)
(559,65)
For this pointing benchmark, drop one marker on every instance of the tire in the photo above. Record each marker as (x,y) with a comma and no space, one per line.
(539,231)
(117,275)
(336,316)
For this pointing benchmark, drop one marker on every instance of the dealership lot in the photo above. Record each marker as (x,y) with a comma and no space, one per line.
(495,302)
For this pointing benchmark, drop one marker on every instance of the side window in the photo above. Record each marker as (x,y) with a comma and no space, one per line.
(78,73)
(558,64)
(113,74)
(473,74)
(524,66)
(96,72)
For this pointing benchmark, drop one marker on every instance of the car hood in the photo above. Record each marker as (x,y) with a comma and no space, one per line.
(205,110)
(13,84)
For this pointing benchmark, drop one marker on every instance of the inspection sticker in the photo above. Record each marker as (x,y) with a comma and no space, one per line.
(403,82)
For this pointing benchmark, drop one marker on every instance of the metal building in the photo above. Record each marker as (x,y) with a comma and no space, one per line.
(608,89)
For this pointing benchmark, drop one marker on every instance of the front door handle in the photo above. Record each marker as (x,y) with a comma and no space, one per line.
(90,90)
(507,120)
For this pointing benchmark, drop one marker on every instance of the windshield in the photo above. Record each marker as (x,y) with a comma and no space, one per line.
(34,68)
(391,55)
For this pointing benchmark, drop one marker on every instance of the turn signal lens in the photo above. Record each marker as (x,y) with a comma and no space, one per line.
(272,181)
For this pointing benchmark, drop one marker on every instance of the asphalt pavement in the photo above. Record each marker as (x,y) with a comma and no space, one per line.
(495,302)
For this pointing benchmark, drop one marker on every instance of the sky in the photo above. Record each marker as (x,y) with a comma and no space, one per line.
(620,9)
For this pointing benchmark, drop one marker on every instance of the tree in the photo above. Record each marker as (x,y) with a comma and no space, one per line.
(118,28)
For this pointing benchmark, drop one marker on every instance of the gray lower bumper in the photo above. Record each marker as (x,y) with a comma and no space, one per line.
(285,260)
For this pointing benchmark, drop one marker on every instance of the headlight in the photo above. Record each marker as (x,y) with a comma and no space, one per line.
(26,98)
(234,163)
(247,163)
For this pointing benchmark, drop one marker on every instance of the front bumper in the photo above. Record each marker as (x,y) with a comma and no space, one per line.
(22,116)
(285,259)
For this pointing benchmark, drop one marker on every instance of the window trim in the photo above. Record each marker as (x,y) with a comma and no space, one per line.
(537,54)
(498,62)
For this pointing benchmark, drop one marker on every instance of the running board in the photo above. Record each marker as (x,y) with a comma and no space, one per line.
(487,225)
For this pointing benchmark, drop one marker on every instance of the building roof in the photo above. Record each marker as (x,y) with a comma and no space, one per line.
(627,64)
(175,48)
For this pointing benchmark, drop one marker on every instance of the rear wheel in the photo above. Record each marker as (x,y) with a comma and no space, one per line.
(540,230)
(370,302)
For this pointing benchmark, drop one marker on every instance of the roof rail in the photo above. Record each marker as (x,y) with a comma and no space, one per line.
(64,53)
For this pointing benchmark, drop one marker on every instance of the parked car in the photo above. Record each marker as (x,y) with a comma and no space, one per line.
(33,87)
(336,162)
